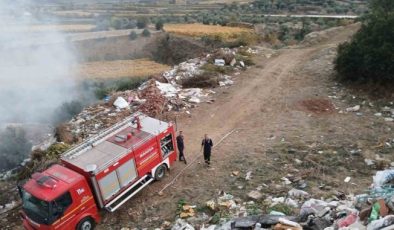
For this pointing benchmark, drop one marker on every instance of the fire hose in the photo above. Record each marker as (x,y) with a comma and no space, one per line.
(194,160)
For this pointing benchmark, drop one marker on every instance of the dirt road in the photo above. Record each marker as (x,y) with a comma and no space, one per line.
(264,106)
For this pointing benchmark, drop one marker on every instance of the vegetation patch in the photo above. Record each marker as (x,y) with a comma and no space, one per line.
(120,68)
(204,80)
(215,32)
(369,56)
(102,89)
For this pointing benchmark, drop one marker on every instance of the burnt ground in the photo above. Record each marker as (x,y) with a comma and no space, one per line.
(285,108)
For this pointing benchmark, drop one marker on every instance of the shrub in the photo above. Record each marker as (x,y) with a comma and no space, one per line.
(41,160)
(142,23)
(67,110)
(369,55)
(116,23)
(159,25)
(146,33)
(127,84)
(204,80)
(246,59)
(214,69)
(133,35)
(132,24)
(103,90)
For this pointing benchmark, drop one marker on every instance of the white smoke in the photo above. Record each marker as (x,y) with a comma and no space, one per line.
(36,74)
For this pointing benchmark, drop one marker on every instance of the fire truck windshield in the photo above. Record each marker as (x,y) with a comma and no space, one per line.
(37,210)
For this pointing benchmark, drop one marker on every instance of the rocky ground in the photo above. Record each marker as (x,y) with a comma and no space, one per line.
(292,121)
(288,124)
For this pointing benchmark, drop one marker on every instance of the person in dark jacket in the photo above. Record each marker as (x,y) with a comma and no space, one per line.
(181,146)
(207,145)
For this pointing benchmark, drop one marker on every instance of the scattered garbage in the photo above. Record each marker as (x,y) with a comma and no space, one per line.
(248,175)
(369,162)
(381,223)
(348,220)
(296,193)
(220,62)
(182,225)
(355,108)
(154,97)
(255,195)
(187,211)
(383,177)
(121,103)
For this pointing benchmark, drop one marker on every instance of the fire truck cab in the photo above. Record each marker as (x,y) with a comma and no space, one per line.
(103,172)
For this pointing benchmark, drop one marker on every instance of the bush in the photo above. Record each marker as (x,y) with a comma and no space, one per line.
(127,84)
(142,23)
(133,35)
(103,90)
(146,33)
(214,69)
(159,25)
(369,56)
(14,147)
(246,59)
(41,160)
(67,110)
(116,23)
(204,80)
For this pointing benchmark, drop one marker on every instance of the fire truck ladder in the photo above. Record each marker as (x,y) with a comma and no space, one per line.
(88,144)
(129,193)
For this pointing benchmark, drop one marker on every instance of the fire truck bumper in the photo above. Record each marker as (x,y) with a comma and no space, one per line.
(26,223)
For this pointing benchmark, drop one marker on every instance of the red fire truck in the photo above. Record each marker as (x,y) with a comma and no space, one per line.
(101,173)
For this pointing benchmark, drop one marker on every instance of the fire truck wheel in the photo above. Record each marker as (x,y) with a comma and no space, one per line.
(160,172)
(86,224)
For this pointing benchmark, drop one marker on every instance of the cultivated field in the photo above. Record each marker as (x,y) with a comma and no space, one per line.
(200,30)
(120,68)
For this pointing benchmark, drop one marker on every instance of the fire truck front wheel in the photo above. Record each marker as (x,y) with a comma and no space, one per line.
(86,223)
(160,172)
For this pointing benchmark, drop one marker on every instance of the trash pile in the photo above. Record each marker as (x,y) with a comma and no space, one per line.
(154,97)
(373,210)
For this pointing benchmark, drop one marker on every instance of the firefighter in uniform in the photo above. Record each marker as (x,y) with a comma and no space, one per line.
(207,145)
(181,146)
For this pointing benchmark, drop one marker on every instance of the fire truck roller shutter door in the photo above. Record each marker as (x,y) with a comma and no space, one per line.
(127,173)
(109,185)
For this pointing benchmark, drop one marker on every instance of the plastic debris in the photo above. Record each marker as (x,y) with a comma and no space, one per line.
(296,193)
(348,220)
(182,225)
(220,62)
(121,103)
(382,177)
(248,175)
(353,109)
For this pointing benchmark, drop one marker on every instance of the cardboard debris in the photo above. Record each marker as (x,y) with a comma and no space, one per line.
(187,211)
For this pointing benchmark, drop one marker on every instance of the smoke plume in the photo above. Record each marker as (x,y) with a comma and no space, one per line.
(36,74)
